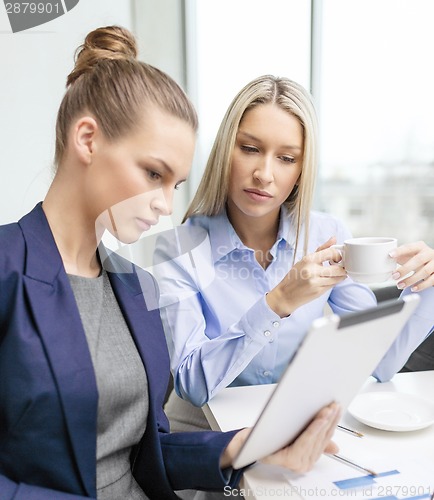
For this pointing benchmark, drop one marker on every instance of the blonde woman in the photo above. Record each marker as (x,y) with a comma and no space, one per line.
(237,304)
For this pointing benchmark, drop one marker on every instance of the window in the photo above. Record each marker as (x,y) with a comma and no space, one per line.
(369,66)
(375,81)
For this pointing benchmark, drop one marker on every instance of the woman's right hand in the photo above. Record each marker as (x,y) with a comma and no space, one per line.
(307,279)
(301,455)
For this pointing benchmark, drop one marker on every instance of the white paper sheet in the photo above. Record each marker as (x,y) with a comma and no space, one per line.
(397,479)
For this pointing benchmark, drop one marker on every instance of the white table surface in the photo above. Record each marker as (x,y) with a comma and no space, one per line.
(237,407)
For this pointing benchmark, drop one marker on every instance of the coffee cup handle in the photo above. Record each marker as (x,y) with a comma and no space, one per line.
(341,250)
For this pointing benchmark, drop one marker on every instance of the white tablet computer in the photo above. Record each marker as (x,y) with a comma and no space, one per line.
(334,360)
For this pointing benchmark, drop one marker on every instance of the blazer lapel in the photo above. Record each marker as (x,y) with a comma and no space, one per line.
(58,323)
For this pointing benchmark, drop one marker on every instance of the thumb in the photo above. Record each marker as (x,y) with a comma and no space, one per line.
(331,448)
(331,241)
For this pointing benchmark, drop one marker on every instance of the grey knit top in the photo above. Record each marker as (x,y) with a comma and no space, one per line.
(122,387)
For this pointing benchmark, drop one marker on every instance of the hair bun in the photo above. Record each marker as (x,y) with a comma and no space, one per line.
(111,42)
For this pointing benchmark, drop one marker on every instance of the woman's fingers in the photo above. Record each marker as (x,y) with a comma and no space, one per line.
(314,441)
(306,280)
(419,280)
(405,252)
(331,241)
(417,266)
(323,440)
(325,255)
(331,448)
(302,454)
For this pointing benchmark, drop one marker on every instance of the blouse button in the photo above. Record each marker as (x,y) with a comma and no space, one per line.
(267,333)
(276,324)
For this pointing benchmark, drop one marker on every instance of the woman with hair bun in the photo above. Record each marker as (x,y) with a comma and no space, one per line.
(84,365)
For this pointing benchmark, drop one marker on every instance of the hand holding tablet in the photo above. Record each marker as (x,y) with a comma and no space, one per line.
(336,357)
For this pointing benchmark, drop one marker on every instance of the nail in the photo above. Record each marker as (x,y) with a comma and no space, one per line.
(396,275)
(414,288)
(400,286)
(392,254)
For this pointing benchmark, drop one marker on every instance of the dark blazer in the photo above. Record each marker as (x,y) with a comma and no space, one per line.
(422,358)
(48,393)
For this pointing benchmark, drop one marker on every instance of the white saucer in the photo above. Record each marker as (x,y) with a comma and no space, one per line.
(392,411)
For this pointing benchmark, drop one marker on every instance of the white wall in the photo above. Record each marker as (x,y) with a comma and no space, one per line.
(160,31)
(34,66)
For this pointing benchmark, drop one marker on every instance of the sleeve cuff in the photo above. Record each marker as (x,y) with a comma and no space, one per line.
(425,308)
(261,323)
(200,465)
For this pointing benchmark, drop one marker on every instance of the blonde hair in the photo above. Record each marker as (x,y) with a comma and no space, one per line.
(109,82)
(212,193)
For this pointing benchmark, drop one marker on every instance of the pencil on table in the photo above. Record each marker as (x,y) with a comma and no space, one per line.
(351,431)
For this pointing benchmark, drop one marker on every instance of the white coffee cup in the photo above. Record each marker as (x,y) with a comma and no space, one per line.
(367,259)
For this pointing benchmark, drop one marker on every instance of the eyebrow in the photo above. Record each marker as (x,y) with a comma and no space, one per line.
(254,138)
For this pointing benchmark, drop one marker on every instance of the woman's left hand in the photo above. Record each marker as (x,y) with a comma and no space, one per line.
(417,261)
(301,455)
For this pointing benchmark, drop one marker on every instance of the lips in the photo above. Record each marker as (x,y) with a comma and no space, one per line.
(257,194)
(145,224)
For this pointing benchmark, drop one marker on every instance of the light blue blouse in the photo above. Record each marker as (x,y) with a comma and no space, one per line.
(219,328)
